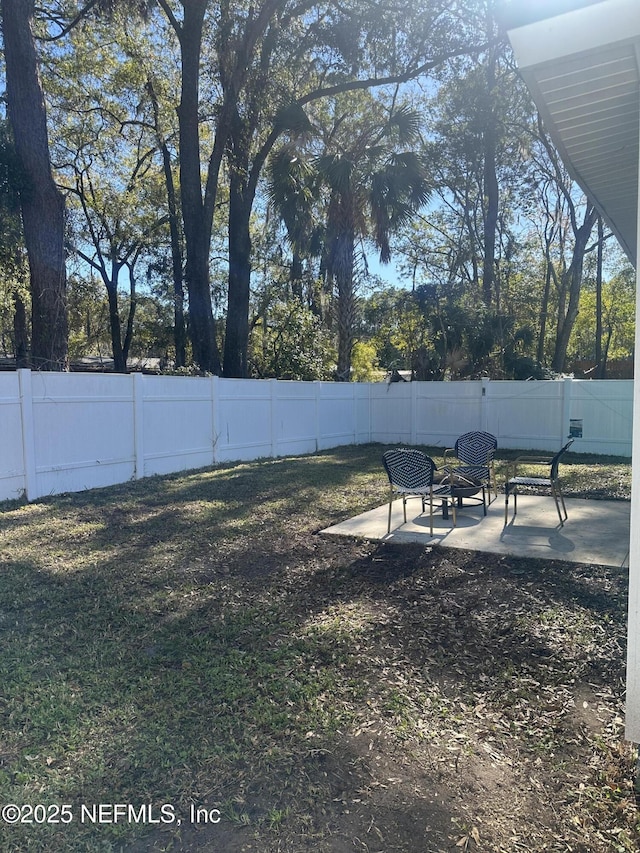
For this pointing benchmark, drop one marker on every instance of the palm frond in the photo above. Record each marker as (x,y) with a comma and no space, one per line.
(407,124)
(291,118)
(337,171)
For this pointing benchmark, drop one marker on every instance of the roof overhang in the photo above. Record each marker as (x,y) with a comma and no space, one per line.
(582,67)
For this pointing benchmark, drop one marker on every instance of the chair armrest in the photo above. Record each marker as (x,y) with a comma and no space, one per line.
(528,460)
(451,450)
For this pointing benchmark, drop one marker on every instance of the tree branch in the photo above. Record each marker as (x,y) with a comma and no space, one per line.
(375,82)
(175,23)
(65,30)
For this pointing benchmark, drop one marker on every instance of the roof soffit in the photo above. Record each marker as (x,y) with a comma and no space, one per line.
(582,69)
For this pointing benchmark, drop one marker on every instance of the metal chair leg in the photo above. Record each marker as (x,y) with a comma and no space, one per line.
(508,491)
(559,499)
(566,514)
(431,512)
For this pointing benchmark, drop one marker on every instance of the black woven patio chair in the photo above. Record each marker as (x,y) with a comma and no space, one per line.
(476,451)
(551,481)
(410,474)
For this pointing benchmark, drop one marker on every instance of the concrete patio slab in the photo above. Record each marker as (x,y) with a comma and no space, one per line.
(595,532)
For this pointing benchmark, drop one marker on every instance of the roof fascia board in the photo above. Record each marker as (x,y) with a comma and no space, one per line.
(580,30)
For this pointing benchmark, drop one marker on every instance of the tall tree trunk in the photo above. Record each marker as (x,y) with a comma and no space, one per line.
(133,304)
(490,183)
(550,229)
(115,327)
(341,268)
(600,361)
(236,337)
(234,57)
(571,284)
(346,312)
(196,227)
(20,333)
(605,352)
(179,326)
(244,174)
(295,276)
(490,220)
(544,308)
(41,203)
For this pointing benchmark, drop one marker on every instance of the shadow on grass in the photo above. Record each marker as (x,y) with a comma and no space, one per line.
(100,705)
(190,640)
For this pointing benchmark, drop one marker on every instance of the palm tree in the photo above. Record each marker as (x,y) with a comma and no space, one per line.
(374,185)
(293,190)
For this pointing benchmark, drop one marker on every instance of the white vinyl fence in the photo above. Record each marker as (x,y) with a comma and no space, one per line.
(64,432)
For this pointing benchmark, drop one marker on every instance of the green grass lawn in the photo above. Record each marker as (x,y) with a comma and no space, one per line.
(190,641)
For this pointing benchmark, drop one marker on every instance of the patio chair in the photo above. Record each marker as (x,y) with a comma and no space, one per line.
(552,481)
(410,474)
(476,450)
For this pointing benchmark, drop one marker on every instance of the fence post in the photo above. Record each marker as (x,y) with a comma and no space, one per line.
(413,436)
(138,425)
(28,436)
(215,417)
(354,413)
(484,406)
(317,386)
(363,425)
(273,420)
(567,389)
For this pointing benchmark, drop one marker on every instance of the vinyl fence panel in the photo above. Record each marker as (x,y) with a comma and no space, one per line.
(445,410)
(243,424)
(391,412)
(337,414)
(527,415)
(68,431)
(13,481)
(176,430)
(83,429)
(601,412)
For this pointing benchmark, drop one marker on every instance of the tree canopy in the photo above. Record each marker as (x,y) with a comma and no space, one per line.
(229,171)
